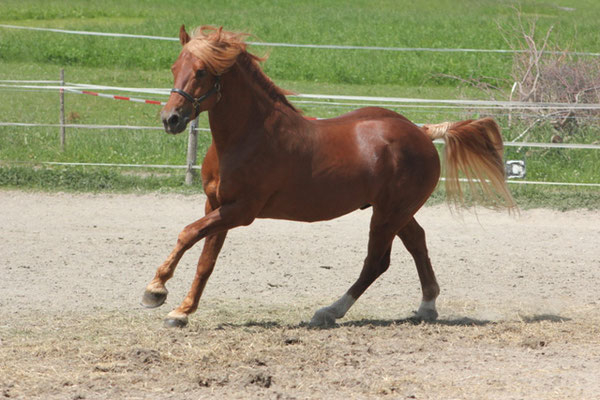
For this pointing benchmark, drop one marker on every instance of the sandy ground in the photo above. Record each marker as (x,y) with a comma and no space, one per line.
(519,308)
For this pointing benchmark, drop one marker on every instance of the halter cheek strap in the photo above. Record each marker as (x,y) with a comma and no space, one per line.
(197,100)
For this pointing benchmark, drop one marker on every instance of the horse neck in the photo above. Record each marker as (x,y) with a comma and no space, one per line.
(243,107)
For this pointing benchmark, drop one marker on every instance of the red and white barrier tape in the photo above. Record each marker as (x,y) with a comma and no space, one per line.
(79,90)
(442,103)
(117,97)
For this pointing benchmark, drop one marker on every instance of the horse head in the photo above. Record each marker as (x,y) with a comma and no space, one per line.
(196,86)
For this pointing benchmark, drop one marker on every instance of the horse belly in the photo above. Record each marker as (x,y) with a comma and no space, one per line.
(315,202)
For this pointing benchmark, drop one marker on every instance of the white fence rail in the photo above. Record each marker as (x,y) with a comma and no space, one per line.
(299,45)
(157,128)
(191,165)
(326,101)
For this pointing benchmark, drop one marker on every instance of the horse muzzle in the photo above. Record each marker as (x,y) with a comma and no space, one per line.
(174,122)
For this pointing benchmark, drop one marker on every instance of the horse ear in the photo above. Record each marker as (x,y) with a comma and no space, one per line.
(183,36)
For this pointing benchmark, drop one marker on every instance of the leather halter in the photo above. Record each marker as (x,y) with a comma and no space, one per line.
(197,100)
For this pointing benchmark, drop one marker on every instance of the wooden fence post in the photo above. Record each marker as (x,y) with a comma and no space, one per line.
(192,153)
(62,110)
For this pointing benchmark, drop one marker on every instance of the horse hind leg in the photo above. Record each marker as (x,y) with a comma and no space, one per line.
(413,237)
(376,263)
(373,267)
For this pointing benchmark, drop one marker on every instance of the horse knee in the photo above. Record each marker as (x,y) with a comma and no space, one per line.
(187,237)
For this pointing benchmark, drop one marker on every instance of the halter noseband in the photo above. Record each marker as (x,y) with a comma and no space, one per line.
(197,100)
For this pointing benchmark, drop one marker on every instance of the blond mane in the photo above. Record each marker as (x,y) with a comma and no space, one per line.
(220,50)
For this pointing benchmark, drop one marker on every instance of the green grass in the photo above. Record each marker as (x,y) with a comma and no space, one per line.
(146,63)
(443,23)
(534,196)
(90,179)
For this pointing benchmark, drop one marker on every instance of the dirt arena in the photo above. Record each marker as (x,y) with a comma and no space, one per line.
(519,308)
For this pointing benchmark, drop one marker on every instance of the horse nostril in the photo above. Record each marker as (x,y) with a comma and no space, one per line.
(173,120)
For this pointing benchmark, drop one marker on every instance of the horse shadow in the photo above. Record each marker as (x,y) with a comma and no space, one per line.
(461,321)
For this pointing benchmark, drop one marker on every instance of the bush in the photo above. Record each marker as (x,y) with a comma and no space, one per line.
(544,72)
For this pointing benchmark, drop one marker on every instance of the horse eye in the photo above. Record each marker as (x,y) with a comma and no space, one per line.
(200,73)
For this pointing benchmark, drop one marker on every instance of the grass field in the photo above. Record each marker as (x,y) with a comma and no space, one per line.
(145,63)
(468,24)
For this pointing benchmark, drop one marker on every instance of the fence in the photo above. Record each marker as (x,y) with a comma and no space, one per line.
(324,100)
(314,99)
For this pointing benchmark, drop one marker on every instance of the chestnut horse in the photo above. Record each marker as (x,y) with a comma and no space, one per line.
(267,161)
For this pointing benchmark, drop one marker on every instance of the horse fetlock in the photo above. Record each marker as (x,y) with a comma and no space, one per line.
(154,297)
(427,311)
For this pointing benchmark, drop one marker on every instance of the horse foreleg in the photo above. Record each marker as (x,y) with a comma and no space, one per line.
(212,246)
(376,263)
(413,237)
(218,220)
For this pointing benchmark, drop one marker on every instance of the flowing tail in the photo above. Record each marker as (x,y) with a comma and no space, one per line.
(474,147)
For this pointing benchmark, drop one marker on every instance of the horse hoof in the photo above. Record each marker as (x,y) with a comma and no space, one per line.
(154,299)
(173,322)
(427,315)
(322,319)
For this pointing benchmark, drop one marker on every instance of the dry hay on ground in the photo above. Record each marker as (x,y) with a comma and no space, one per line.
(518,312)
